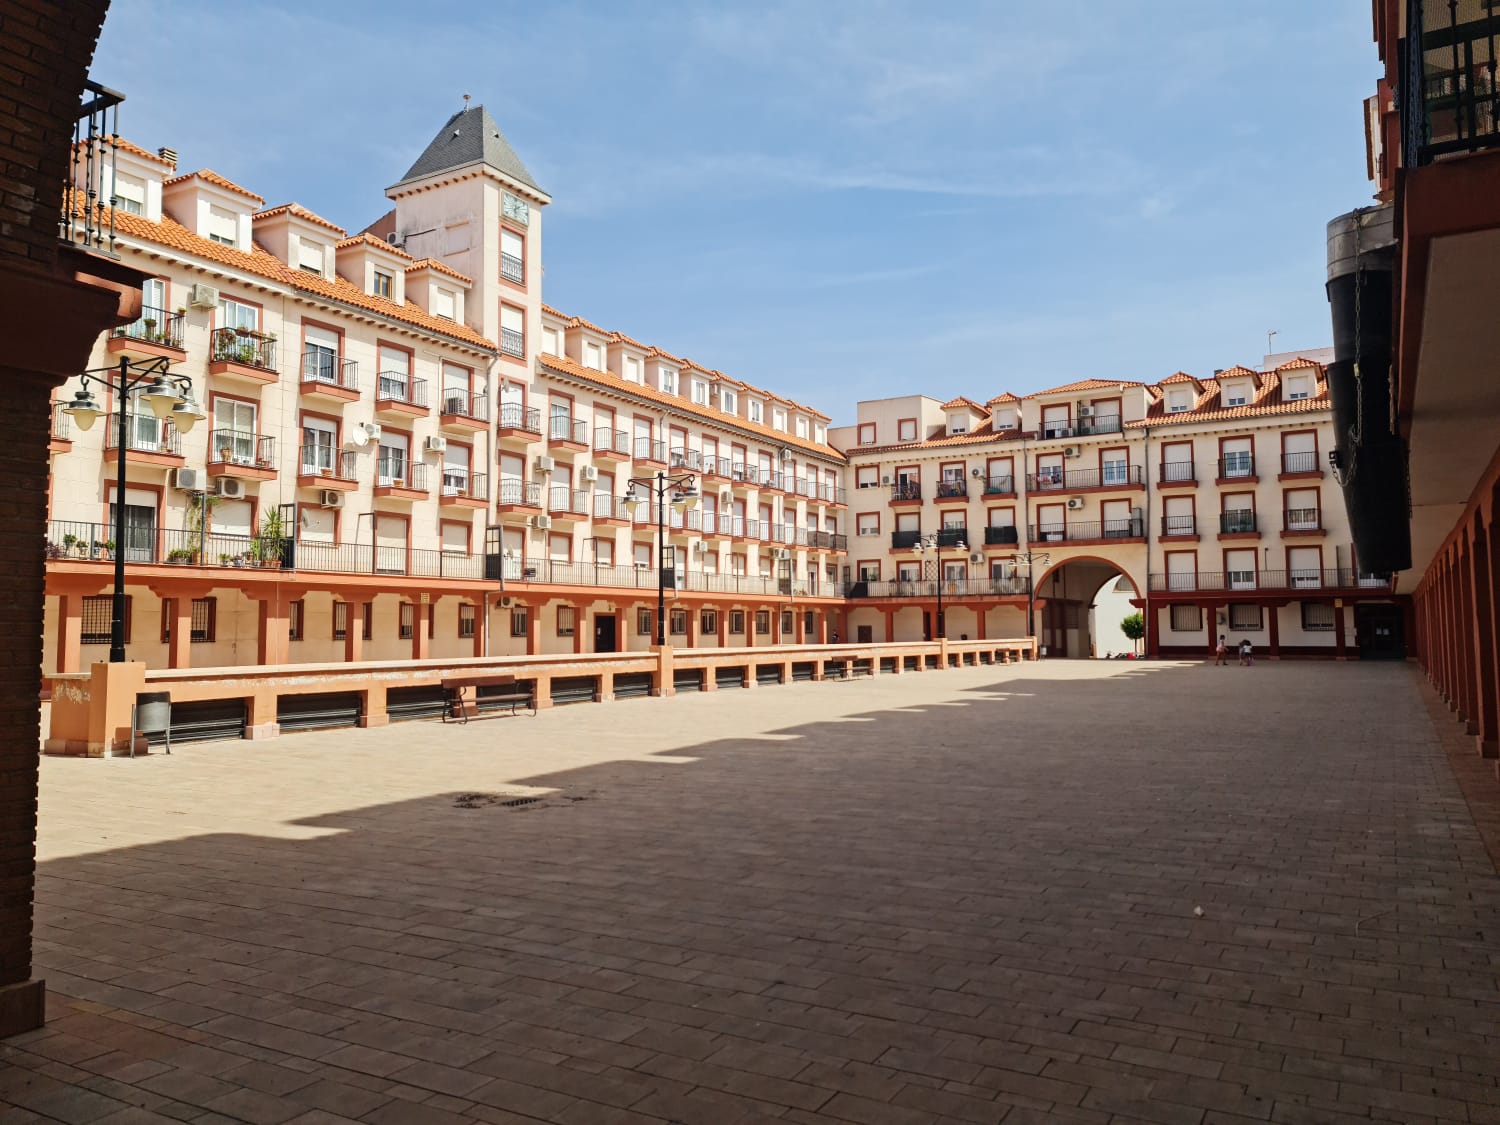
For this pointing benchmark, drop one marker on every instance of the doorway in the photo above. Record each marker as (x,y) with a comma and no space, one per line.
(604,633)
(1381,631)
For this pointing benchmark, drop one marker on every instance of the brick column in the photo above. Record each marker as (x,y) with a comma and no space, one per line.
(179,648)
(421,614)
(889,616)
(354,631)
(534,628)
(1487,734)
(580,628)
(723,628)
(481,606)
(1274,641)
(750,629)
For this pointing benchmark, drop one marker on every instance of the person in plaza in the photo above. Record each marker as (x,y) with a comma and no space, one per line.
(1219,653)
(1247,653)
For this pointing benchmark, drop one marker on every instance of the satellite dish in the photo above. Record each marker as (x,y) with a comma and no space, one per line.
(358,435)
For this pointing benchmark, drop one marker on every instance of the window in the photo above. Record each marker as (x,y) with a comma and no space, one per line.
(1298,387)
(340,620)
(801,427)
(519,621)
(407,624)
(867,476)
(443,303)
(236,314)
(708,621)
(729,402)
(820,434)
(512,257)
(762,621)
(906,429)
(593,356)
(866,433)
(778,420)
(466,619)
(667,378)
(1244,618)
(130,194)
(644,623)
(514,208)
(97,613)
(550,344)
(677,620)
(1187,619)
(737,621)
(757,411)
(1317,617)
(868,523)
(1236,394)
(234,431)
(310,257)
(567,621)
(1178,401)
(632,369)
(223,226)
(512,331)
(383,285)
(294,619)
(958,423)
(700,392)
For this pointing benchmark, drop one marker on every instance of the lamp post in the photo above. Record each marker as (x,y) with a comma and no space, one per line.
(169,397)
(932,543)
(1028,559)
(684,495)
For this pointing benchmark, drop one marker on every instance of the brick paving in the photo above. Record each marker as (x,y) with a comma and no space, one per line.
(965,897)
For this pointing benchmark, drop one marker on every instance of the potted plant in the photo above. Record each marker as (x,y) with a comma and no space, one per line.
(267,546)
(109,548)
(227,560)
(179,555)
(69,542)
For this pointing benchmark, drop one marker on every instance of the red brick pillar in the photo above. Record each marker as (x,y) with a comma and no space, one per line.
(421,614)
(534,628)
(889,616)
(354,631)
(1486,719)
(179,648)
(481,606)
(1339,651)
(723,619)
(1467,664)
(69,632)
(1273,642)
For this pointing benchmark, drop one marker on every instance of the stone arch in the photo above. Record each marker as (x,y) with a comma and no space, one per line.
(1068,591)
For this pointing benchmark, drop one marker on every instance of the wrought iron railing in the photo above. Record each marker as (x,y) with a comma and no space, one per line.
(1178,472)
(608,507)
(62,422)
(460,402)
(1299,462)
(564,427)
(952,490)
(1449,94)
(458,484)
(325,461)
(564,500)
(240,447)
(512,342)
(1000,586)
(1237,466)
(400,472)
(320,365)
(905,540)
(1001,536)
(154,326)
(607,440)
(512,268)
(906,490)
(514,416)
(397,386)
(1133,527)
(1340,578)
(648,450)
(244,346)
(88,219)
(1115,474)
(1098,424)
(144,433)
(1002,485)
(1302,519)
(1240,522)
(1179,525)
(526,493)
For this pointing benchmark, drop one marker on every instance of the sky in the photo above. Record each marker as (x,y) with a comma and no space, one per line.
(833,199)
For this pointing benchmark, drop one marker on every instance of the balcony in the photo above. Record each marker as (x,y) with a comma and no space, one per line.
(1097,531)
(464,490)
(568,503)
(715,466)
(1004,485)
(237,453)
(1302,523)
(464,410)
(827,541)
(396,393)
(953,537)
(806,487)
(1271,581)
(399,478)
(832,494)
(1001,537)
(1002,586)
(322,466)
(648,452)
(685,460)
(156,334)
(61,438)
(952,491)
(519,423)
(611,509)
(512,268)
(1179,527)
(512,343)
(906,492)
(568,433)
(149,440)
(1239,524)
(905,540)
(1114,475)
(611,445)
(775,480)
(241,353)
(325,375)
(1457,110)
(1237,468)
(1088,425)
(1295,466)
(518,495)
(1177,474)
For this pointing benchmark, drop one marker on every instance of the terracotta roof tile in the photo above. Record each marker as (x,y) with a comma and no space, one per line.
(136,150)
(1298,363)
(607,379)
(366,238)
(1006,397)
(260,262)
(960,401)
(209,176)
(300,212)
(1179,377)
(438,267)
(1087,385)
(979,435)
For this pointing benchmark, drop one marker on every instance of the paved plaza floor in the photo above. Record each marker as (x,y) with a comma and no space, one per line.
(963,897)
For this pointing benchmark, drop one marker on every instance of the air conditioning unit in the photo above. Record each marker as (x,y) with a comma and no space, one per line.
(541,523)
(203,297)
(332,498)
(726,496)
(505,602)
(700,548)
(230,488)
(1075,503)
(1085,411)
(545,464)
(187,480)
(781,554)
(976,473)
(437,444)
(588,473)
(976,556)
(371,430)
(885,480)
(1070,451)
(783,454)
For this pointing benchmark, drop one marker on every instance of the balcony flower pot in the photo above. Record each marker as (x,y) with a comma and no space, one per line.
(226,454)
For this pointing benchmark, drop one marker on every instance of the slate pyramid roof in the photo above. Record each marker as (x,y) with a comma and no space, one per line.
(470,136)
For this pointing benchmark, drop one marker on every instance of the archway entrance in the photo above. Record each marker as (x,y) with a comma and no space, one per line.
(1084,600)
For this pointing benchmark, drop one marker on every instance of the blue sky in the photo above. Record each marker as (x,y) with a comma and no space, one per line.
(836,200)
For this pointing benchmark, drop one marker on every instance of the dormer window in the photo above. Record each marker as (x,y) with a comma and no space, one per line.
(778,420)
(442,303)
(958,424)
(549,341)
(1004,420)
(801,426)
(1177,401)
(1297,387)
(729,402)
(223,226)
(700,392)
(632,369)
(310,257)
(666,380)
(383,283)
(592,356)
(130,194)
(514,208)
(820,435)
(1237,394)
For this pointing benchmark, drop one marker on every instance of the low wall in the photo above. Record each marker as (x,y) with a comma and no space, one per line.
(91,710)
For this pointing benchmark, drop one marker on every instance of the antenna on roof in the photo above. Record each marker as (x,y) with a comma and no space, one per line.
(466,103)
(1270,334)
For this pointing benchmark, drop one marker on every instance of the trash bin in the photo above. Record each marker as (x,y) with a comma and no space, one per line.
(153,715)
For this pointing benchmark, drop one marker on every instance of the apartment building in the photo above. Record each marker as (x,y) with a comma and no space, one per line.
(404,453)
(1210,496)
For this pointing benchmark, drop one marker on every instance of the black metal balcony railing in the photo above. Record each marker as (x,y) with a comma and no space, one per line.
(513,342)
(1341,578)
(607,440)
(243,346)
(513,490)
(514,416)
(828,540)
(1112,475)
(468,486)
(62,422)
(690,459)
(1302,519)
(325,461)
(464,403)
(564,427)
(906,490)
(400,472)
(1004,485)
(1001,536)
(1241,522)
(144,433)
(319,365)
(88,218)
(1179,525)
(904,540)
(1099,424)
(832,494)
(952,489)
(1178,472)
(396,386)
(607,507)
(1299,462)
(998,586)
(648,450)
(1449,95)
(953,537)
(239,447)
(563,500)
(1236,466)
(1133,527)
(775,480)
(512,268)
(154,326)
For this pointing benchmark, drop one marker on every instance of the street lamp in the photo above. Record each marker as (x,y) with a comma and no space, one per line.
(684,495)
(169,397)
(1028,560)
(932,543)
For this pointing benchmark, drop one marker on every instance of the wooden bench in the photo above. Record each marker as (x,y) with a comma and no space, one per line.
(455,706)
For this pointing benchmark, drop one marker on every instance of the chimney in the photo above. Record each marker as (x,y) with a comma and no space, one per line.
(168,154)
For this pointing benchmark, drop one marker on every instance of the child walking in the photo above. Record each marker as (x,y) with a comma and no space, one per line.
(1219,653)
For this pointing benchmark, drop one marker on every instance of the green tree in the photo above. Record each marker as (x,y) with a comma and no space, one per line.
(1134,628)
